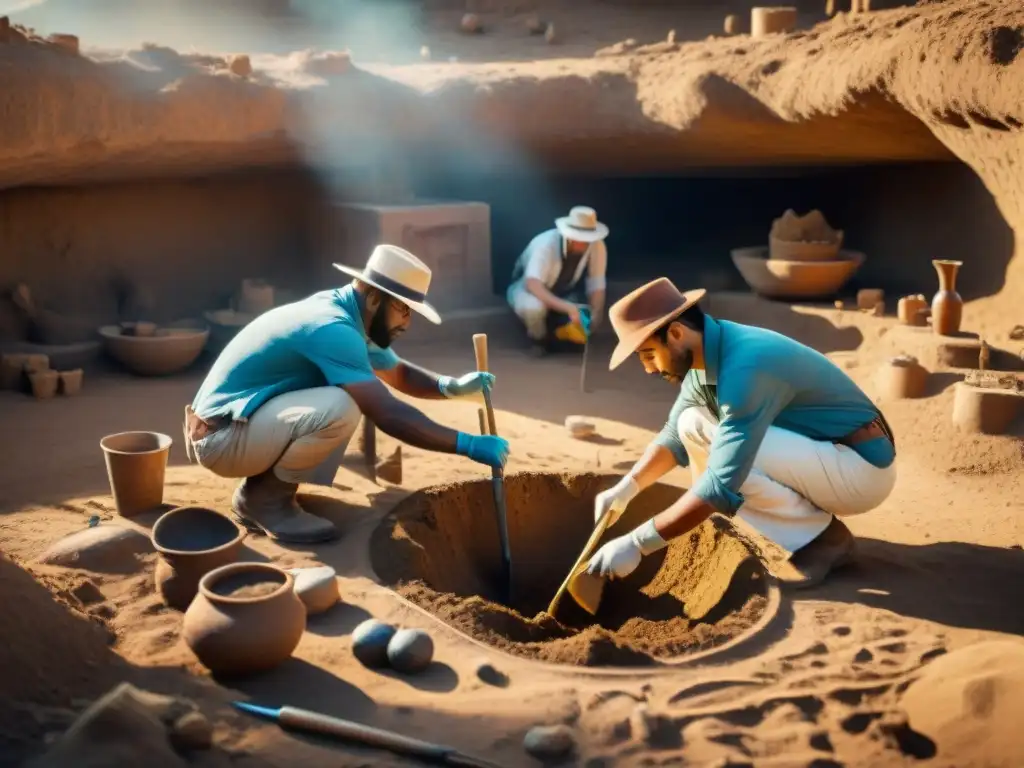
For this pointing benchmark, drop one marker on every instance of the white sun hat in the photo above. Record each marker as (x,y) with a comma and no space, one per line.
(581,224)
(400,274)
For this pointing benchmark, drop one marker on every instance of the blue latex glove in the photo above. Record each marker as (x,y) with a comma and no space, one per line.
(470,385)
(485,449)
(585,319)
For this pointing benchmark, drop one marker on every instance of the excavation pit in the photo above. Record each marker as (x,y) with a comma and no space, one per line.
(439,550)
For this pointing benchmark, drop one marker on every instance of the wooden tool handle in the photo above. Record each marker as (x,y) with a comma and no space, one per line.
(303,719)
(480,350)
(482,417)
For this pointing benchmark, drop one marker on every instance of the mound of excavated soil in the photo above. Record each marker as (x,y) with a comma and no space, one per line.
(439,549)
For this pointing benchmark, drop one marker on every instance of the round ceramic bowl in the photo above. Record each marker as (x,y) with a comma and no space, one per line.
(167,351)
(778,279)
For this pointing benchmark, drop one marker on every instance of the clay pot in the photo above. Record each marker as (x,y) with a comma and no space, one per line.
(257,297)
(12,371)
(903,377)
(71,382)
(786,250)
(44,383)
(236,634)
(947,306)
(192,541)
(985,411)
(775,278)
(772,20)
(168,351)
(136,464)
(912,310)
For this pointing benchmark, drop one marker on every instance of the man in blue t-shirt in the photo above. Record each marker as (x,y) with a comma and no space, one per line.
(282,400)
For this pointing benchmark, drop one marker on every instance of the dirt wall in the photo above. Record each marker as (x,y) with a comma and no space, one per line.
(179,246)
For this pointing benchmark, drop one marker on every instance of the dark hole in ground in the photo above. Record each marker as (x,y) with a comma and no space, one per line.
(439,548)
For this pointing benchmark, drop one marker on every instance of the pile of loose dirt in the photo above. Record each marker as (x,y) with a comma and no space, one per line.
(439,550)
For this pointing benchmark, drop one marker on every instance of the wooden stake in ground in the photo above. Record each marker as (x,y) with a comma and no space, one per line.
(497,474)
(370,448)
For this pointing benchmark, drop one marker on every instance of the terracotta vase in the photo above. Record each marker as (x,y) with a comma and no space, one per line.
(192,541)
(245,619)
(947,306)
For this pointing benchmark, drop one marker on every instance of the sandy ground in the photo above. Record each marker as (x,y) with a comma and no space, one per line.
(940,563)
(939,568)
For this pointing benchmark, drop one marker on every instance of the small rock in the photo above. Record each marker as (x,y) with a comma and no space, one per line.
(317,588)
(551,34)
(425,53)
(547,742)
(671,37)
(240,65)
(370,642)
(192,731)
(410,651)
(489,674)
(535,26)
(579,427)
(732,24)
(105,548)
(867,298)
(87,593)
(470,24)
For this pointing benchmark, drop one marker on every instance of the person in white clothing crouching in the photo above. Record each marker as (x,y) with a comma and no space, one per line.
(772,430)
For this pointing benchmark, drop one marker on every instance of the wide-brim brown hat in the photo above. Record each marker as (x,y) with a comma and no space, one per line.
(636,316)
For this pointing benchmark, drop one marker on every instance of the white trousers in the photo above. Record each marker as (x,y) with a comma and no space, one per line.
(302,435)
(796,483)
(531,310)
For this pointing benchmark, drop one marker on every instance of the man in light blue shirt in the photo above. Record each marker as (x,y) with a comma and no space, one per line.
(282,400)
(772,430)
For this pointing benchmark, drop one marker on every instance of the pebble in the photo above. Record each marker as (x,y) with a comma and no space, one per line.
(549,741)
(192,731)
(240,65)
(370,642)
(410,651)
(579,427)
(489,674)
(316,587)
(105,548)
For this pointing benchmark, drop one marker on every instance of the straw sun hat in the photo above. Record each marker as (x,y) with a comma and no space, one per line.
(638,315)
(400,274)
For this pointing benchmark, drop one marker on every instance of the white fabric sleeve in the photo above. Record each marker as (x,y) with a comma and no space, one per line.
(597,267)
(541,260)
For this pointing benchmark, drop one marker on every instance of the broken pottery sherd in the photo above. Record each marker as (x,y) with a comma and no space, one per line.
(104,548)
(579,427)
(316,587)
(192,541)
(548,742)
(44,384)
(245,619)
(803,238)
(869,298)
(903,377)
(71,382)
(370,642)
(410,651)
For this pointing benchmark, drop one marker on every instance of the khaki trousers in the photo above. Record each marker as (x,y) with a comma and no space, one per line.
(302,435)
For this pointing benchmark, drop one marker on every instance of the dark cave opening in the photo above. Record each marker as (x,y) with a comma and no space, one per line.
(901,215)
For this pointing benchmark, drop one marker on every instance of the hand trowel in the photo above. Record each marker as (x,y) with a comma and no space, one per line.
(584,588)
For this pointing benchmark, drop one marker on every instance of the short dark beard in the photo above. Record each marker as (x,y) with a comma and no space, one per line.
(379,332)
(681,365)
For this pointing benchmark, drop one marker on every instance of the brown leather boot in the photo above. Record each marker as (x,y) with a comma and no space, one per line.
(809,565)
(266,504)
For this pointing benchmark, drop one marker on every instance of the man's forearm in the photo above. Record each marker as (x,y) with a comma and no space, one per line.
(405,423)
(538,289)
(652,466)
(683,516)
(596,301)
(417,382)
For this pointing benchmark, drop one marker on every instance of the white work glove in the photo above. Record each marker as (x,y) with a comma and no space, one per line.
(469,386)
(616,499)
(620,557)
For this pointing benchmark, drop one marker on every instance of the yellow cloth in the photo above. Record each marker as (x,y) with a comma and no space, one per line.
(571,332)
